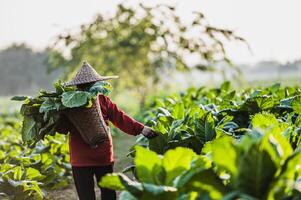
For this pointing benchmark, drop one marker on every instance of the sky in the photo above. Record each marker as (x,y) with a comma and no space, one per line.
(270,26)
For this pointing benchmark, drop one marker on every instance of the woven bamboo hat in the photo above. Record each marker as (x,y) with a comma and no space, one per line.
(87,74)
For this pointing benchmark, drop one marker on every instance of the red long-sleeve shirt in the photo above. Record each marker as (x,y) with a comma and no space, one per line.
(81,154)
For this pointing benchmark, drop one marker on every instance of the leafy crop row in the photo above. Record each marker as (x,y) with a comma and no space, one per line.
(28,173)
(238,145)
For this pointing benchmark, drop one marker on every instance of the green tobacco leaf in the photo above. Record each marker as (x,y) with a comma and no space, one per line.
(49,104)
(29,130)
(290,171)
(296,104)
(164,111)
(225,155)
(102,87)
(274,88)
(18,173)
(33,174)
(278,147)
(118,181)
(253,177)
(264,121)
(226,86)
(159,143)
(287,102)
(205,127)
(209,127)
(204,182)
(19,98)
(124,195)
(151,191)
(178,111)
(112,181)
(176,161)
(258,103)
(75,98)
(59,88)
(145,167)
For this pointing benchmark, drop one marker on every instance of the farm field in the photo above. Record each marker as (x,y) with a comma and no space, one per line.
(213,144)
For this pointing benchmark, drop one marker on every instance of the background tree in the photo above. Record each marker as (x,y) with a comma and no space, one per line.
(140,44)
(22,71)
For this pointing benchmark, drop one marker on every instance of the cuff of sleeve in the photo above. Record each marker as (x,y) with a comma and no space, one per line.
(139,130)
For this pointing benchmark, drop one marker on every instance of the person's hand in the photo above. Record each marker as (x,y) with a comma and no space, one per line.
(149,132)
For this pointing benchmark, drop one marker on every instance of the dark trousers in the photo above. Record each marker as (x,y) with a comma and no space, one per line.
(84,182)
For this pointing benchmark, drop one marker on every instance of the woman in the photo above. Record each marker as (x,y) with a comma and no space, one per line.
(87,161)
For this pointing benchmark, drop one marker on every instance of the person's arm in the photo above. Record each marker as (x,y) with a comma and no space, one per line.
(120,119)
(124,122)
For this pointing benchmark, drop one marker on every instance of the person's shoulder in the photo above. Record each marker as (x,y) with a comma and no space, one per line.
(104,99)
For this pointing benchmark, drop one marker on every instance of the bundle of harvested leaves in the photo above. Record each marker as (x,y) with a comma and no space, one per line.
(42,113)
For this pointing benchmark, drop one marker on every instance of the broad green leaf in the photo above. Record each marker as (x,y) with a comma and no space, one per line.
(159,127)
(226,86)
(124,195)
(204,126)
(164,111)
(124,183)
(204,181)
(178,111)
(285,181)
(225,155)
(274,88)
(159,143)
(145,166)
(296,104)
(19,98)
(253,177)
(278,147)
(209,128)
(176,161)
(102,87)
(111,181)
(29,129)
(151,191)
(264,121)
(2,155)
(258,104)
(49,104)
(18,173)
(33,174)
(75,98)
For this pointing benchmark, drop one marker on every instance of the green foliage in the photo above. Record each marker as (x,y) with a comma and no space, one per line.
(155,173)
(74,99)
(42,113)
(27,173)
(259,166)
(139,44)
(197,116)
(239,145)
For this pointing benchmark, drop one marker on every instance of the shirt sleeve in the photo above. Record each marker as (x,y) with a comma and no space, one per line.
(120,119)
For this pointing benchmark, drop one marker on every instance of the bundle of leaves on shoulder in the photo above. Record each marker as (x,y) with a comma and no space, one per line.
(42,113)
(261,165)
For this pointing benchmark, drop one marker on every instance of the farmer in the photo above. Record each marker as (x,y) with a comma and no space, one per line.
(87,161)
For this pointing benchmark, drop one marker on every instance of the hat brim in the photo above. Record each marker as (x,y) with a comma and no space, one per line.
(103,78)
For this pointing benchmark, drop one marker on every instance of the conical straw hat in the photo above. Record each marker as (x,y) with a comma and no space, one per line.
(87,74)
